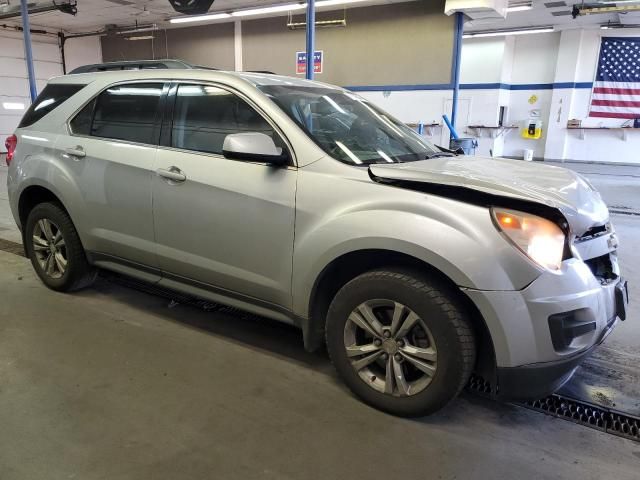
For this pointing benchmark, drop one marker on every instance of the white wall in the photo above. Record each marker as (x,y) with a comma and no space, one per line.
(482,60)
(534,58)
(14,86)
(530,65)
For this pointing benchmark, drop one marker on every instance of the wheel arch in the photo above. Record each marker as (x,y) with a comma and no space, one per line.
(34,195)
(349,265)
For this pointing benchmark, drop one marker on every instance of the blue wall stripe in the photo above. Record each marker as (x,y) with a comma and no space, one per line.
(400,88)
(471,86)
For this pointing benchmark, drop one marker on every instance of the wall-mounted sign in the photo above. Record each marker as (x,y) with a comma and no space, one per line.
(301,62)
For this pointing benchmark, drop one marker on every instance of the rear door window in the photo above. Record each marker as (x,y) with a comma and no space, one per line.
(49,99)
(123,112)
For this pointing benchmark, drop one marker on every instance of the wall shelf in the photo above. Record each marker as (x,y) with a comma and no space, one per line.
(494,132)
(623,130)
(428,127)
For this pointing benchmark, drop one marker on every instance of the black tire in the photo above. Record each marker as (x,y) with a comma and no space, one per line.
(441,312)
(78,273)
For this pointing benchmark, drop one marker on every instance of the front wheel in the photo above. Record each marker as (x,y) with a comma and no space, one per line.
(53,245)
(400,341)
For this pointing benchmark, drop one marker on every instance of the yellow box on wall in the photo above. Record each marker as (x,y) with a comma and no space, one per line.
(532,129)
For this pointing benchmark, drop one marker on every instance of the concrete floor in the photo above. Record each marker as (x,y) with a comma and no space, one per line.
(112,383)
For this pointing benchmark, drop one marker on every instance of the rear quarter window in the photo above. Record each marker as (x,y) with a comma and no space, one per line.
(49,99)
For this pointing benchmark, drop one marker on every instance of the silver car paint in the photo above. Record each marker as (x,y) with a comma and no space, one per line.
(557,187)
(331,208)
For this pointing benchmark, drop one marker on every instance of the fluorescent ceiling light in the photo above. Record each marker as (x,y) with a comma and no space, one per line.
(519,8)
(502,33)
(200,18)
(13,106)
(140,37)
(329,3)
(261,11)
(519,5)
(276,8)
(150,28)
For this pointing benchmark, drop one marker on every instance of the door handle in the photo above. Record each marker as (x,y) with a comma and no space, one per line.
(172,173)
(76,151)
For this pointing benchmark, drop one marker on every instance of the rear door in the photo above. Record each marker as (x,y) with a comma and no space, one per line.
(111,150)
(227,224)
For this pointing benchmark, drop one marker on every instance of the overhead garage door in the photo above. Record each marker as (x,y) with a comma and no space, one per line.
(14,84)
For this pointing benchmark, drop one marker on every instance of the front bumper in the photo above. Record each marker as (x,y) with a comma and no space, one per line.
(543,332)
(532,382)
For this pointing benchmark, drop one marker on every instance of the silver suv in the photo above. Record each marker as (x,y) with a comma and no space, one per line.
(305,203)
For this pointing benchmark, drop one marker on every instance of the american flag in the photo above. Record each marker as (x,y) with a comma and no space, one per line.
(616,92)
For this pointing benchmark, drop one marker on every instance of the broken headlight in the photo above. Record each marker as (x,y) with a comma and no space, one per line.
(538,238)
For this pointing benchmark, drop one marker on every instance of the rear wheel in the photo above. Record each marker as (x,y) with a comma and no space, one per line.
(53,245)
(400,341)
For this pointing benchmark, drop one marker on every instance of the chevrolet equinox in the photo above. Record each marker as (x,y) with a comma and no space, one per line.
(305,203)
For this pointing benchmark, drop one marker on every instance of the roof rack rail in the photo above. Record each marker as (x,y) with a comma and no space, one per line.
(159,64)
(133,65)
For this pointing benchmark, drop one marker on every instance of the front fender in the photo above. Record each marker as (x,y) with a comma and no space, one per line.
(456,238)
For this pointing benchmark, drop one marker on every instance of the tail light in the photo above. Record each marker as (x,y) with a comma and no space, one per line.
(11,143)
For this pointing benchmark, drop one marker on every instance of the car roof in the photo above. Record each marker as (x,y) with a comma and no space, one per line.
(255,78)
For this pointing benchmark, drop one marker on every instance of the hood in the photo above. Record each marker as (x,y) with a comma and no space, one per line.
(555,187)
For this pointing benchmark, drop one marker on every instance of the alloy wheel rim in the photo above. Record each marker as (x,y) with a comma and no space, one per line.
(50,248)
(390,348)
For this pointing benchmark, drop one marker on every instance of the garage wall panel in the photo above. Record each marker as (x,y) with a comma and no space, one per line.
(82,51)
(14,84)
(400,44)
(208,45)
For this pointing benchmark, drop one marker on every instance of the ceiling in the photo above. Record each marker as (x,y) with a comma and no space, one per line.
(95,14)
(549,12)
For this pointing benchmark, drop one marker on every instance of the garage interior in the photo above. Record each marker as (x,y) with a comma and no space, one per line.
(124,380)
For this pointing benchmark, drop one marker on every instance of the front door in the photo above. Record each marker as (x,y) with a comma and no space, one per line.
(222,222)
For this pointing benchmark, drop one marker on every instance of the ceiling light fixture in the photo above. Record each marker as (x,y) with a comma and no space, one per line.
(330,3)
(200,18)
(520,6)
(319,24)
(142,28)
(13,106)
(288,7)
(502,33)
(616,26)
(140,37)
(273,9)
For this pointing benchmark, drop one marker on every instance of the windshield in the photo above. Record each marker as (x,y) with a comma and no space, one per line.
(348,127)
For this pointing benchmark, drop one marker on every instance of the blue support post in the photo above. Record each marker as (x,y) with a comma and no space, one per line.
(311,37)
(455,74)
(28,54)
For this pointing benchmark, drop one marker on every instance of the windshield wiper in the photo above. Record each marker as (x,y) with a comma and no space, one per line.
(439,154)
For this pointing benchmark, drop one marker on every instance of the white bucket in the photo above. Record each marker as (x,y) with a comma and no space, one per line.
(527,155)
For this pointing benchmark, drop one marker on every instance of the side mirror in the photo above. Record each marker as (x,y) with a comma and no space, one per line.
(253,147)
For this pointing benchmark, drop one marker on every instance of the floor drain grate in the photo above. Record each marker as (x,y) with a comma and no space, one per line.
(583,413)
(11,247)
